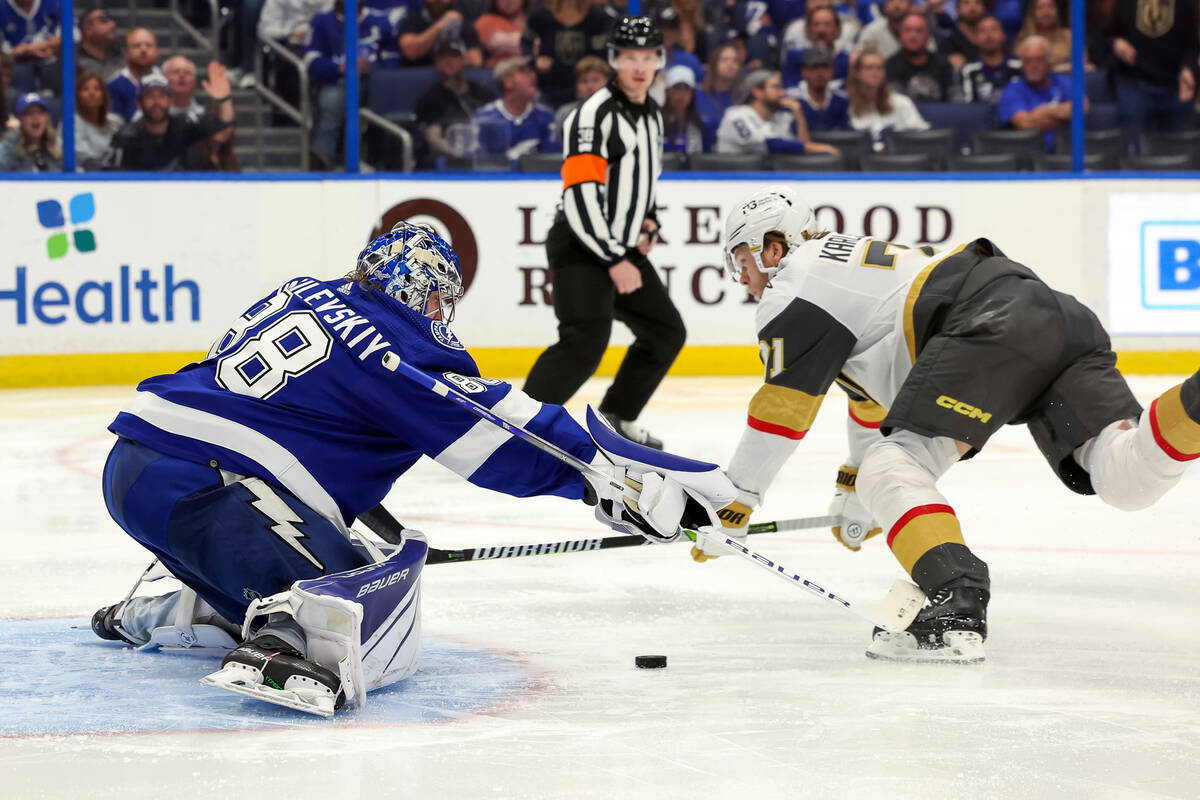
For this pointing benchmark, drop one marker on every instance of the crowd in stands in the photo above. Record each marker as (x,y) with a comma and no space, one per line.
(741,76)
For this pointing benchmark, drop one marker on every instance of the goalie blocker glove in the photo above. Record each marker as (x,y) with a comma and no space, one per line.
(663,493)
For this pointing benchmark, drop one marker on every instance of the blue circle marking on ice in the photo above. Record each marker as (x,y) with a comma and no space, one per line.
(60,680)
(444,335)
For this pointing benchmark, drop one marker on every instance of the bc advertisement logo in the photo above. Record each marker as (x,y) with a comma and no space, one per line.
(82,208)
(1171,264)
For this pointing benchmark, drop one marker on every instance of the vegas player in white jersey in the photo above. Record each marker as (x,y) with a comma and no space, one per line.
(937,351)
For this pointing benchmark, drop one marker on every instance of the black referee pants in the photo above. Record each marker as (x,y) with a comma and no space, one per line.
(586,302)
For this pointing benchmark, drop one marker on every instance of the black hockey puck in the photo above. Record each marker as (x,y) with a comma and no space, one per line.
(650,662)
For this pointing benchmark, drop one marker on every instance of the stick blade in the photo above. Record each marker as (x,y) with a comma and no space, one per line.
(900,606)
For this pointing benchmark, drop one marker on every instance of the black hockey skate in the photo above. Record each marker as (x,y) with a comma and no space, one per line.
(632,431)
(951,629)
(268,668)
(104,625)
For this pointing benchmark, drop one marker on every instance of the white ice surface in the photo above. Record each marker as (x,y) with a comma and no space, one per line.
(1091,688)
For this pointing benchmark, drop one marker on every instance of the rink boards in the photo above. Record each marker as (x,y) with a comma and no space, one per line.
(106,281)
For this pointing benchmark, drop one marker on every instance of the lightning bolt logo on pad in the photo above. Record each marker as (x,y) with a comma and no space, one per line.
(272,506)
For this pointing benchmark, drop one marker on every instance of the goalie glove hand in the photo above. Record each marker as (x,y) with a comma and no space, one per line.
(651,505)
(856,524)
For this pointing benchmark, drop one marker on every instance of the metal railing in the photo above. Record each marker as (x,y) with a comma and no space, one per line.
(212,42)
(301,115)
(393,131)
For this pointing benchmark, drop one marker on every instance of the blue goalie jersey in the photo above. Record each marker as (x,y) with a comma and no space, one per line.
(295,392)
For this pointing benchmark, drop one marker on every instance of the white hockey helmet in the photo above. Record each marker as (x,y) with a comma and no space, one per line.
(772,210)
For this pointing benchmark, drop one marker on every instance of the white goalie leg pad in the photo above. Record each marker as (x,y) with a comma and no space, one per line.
(900,472)
(1129,471)
(364,624)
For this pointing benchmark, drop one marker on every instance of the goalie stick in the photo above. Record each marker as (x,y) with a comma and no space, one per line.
(381,522)
(894,612)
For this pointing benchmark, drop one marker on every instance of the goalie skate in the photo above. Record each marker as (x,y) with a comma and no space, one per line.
(951,630)
(268,669)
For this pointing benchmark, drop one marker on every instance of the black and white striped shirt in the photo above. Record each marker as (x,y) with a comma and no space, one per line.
(612,152)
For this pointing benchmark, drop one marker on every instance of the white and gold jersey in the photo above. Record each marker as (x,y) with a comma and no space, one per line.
(850,309)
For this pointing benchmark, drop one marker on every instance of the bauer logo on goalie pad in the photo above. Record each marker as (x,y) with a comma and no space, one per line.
(381,583)
(444,336)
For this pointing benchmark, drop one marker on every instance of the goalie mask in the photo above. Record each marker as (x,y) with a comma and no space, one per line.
(416,267)
(773,210)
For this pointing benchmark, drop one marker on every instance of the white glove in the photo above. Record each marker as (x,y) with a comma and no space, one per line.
(653,508)
(651,492)
(856,524)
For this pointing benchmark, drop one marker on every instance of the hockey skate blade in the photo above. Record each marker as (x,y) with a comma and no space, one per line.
(900,606)
(961,647)
(240,680)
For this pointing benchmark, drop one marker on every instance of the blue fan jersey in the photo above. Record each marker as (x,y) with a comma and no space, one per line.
(326,47)
(42,23)
(295,392)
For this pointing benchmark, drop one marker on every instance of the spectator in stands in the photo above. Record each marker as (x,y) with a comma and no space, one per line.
(1041,19)
(289,21)
(8,95)
(450,102)
(181,77)
(721,88)
(1155,66)
(925,76)
(515,125)
(97,51)
(213,150)
(962,44)
(985,78)
(941,23)
(683,130)
(883,35)
(750,20)
(30,32)
(95,124)
(1038,99)
(1097,33)
(769,122)
(796,35)
(824,108)
(32,146)
(591,74)
(325,57)
(561,33)
(436,21)
(695,33)
(247,13)
(677,56)
(824,28)
(874,106)
(141,61)
(1011,14)
(500,31)
(158,141)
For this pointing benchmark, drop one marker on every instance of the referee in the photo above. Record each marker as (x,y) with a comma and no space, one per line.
(602,234)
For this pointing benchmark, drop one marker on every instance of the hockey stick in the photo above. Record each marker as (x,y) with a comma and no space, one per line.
(381,522)
(894,612)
